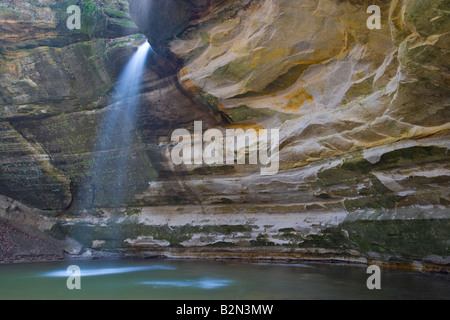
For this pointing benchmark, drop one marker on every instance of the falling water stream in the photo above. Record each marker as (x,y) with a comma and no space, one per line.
(116,134)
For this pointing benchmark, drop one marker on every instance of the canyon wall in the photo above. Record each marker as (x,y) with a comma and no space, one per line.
(363,118)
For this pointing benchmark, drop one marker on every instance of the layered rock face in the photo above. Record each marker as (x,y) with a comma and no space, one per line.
(55,89)
(363,118)
(48,70)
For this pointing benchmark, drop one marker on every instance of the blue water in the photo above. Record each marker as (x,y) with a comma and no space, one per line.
(206,280)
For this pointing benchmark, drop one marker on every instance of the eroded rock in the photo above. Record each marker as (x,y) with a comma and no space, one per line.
(363,119)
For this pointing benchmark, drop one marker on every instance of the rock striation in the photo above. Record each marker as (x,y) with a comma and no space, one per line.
(363,116)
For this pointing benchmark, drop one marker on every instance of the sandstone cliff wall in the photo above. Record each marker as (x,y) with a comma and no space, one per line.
(363,117)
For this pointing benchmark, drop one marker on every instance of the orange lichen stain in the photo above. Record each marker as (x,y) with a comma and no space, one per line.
(13,70)
(297,99)
(189,85)
(221,107)
(359,75)
(183,72)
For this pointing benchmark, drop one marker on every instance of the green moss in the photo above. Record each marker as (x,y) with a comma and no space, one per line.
(405,239)
(57,232)
(205,37)
(289,234)
(331,238)
(408,238)
(245,113)
(359,90)
(420,13)
(71,140)
(127,24)
(235,71)
(356,171)
(32,181)
(115,233)
(287,230)
(222,244)
(223,201)
(211,101)
(133,211)
(91,15)
(262,240)
(409,156)
(116,13)
(98,17)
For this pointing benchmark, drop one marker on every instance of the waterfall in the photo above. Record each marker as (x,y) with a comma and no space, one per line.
(109,166)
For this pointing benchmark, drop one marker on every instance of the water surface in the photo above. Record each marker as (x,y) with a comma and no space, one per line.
(192,280)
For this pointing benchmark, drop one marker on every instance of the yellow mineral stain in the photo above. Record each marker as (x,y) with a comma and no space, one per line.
(297,99)
(13,70)
(189,85)
(183,72)
(262,56)
(221,107)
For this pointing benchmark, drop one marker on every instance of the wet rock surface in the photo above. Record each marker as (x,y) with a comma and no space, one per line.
(363,118)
